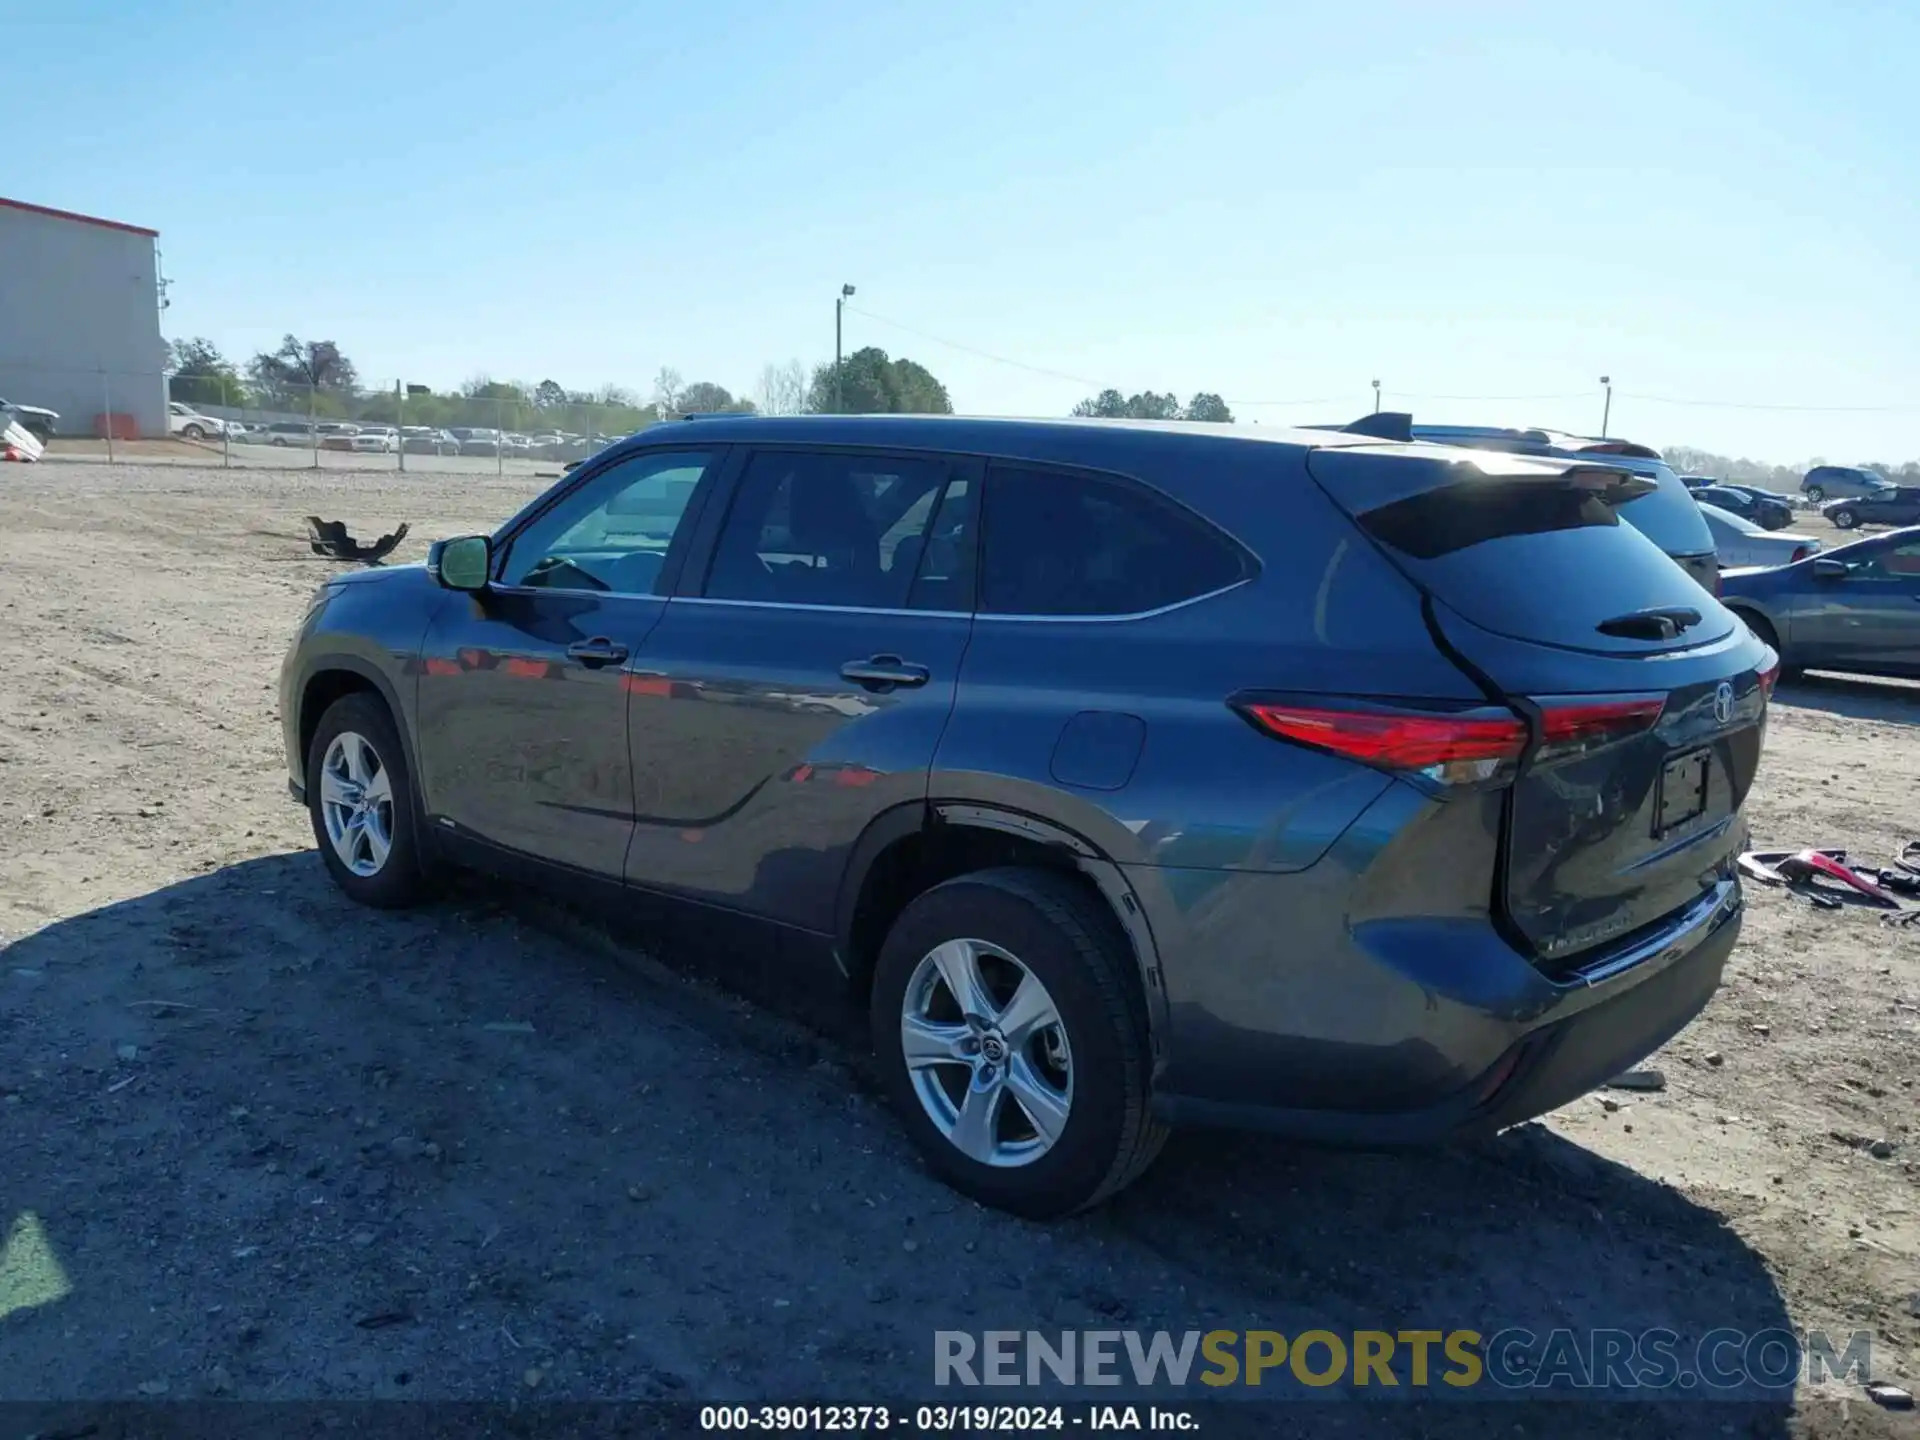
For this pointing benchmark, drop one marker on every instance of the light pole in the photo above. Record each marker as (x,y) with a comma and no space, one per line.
(1606,412)
(1376,397)
(839,304)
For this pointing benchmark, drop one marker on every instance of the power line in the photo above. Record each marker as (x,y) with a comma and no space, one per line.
(1747,405)
(982,354)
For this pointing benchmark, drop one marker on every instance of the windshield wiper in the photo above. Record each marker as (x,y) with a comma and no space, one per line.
(1657,624)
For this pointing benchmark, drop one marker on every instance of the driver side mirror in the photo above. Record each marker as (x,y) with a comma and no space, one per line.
(463,564)
(1831,569)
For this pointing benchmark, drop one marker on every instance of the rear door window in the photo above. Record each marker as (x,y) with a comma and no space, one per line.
(1070,542)
(1669,516)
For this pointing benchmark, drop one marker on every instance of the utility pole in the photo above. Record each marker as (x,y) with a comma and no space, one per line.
(1376,397)
(400,423)
(1606,413)
(839,304)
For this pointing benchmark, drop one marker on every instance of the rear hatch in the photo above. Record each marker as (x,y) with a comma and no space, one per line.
(1645,698)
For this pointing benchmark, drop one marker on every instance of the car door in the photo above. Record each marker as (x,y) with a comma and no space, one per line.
(799,684)
(522,690)
(1868,619)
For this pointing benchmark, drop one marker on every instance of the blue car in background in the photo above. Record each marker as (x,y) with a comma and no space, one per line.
(1856,608)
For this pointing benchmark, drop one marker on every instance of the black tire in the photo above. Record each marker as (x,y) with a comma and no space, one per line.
(1764,632)
(1070,941)
(404,878)
(1817,494)
(194,432)
(1844,519)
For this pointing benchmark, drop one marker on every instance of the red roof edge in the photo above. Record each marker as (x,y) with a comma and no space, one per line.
(83,219)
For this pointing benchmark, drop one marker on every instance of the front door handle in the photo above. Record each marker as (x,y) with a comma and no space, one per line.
(879,672)
(596,652)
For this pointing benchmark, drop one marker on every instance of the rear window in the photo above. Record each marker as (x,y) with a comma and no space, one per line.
(1524,554)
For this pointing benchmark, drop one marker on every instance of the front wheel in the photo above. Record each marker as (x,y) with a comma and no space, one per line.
(360,799)
(1011,1033)
(1844,519)
(194,432)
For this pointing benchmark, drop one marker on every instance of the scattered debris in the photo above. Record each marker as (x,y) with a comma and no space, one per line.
(381,1319)
(127,1052)
(533,1377)
(1638,1080)
(1715,1059)
(330,538)
(154,1387)
(19,443)
(119,1085)
(1761,1028)
(1881,1149)
(1891,1397)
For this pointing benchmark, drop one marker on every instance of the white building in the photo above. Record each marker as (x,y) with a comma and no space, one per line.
(80,319)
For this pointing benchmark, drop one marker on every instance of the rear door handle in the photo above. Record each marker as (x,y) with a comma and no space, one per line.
(596,652)
(878,671)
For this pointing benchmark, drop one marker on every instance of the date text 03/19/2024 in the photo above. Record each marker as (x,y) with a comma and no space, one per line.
(943,1419)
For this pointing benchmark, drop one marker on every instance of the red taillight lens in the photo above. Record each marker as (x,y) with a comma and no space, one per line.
(1769,677)
(1452,748)
(1574,724)
(1800,552)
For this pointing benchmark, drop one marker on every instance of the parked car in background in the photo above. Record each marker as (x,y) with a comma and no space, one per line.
(375,440)
(284,433)
(36,420)
(188,423)
(1666,514)
(1893,505)
(1829,482)
(1769,512)
(478,441)
(1738,542)
(1393,794)
(425,440)
(1855,607)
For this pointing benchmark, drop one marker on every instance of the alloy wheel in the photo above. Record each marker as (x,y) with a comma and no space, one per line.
(356,803)
(987,1053)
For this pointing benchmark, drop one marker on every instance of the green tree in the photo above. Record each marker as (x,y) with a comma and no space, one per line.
(202,375)
(703,397)
(548,395)
(304,370)
(1107,405)
(871,383)
(1208,406)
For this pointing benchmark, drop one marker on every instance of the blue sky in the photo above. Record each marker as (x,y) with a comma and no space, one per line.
(1710,202)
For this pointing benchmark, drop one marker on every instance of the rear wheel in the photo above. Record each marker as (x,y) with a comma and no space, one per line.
(1764,632)
(1816,494)
(360,799)
(1844,519)
(194,432)
(1012,1040)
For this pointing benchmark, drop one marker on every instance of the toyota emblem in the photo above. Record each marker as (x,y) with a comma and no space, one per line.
(1723,703)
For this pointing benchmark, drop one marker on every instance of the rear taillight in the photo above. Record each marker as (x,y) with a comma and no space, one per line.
(1453,747)
(1800,552)
(1575,724)
(1769,677)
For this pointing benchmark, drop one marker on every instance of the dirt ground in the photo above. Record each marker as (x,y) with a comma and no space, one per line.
(256,1142)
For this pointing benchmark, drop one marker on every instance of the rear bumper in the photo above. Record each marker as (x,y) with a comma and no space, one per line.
(1460,1065)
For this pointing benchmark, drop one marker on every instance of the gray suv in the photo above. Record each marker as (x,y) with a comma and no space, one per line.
(1127,775)
(1842,482)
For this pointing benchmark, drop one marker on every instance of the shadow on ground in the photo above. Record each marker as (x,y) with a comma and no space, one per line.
(1858,697)
(283,1148)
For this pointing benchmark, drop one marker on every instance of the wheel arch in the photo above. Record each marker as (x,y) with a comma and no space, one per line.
(909,849)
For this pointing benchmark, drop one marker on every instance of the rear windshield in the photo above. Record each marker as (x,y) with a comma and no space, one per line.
(1522,554)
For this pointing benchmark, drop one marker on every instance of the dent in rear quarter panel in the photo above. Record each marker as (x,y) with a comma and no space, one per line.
(1372,982)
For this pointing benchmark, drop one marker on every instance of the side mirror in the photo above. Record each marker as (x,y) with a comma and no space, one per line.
(1831,569)
(463,564)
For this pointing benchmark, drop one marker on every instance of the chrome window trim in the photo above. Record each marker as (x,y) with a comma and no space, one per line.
(948,614)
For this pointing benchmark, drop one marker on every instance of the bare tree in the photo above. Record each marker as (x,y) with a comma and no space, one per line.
(667,390)
(783,389)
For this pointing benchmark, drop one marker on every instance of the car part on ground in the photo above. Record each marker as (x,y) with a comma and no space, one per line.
(36,420)
(330,538)
(1085,756)
(19,443)
(1803,869)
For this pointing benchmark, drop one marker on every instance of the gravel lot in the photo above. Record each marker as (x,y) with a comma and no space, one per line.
(283,1148)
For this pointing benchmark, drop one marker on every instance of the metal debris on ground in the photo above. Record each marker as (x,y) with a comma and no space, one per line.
(1802,871)
(330,538)
(1638,1080)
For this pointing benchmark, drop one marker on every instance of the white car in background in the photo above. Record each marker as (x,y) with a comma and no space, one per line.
(189,424)
(1739,543)
(375,440)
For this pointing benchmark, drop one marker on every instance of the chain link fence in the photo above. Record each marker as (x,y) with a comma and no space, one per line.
(151,419)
